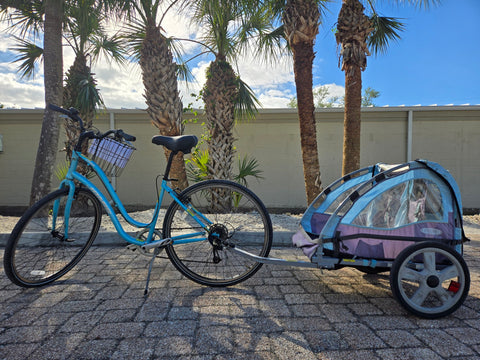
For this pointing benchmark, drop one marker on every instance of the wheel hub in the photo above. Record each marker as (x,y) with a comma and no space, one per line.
(217,234)
(433,281)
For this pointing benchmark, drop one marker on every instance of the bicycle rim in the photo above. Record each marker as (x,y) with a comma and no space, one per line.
(237,218)
(39,250)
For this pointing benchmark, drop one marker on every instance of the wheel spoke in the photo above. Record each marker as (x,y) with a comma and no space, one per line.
(436,290)
(37,253)
(444,296)
(410,274)
(420,295)
(429,261)
(237,218)
(449,273)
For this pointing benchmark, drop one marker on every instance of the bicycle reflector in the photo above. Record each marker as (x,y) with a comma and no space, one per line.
(454,286)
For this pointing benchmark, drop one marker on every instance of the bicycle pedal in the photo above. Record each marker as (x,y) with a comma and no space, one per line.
(132,247)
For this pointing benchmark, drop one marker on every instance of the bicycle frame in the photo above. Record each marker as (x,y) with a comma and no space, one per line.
(73,175)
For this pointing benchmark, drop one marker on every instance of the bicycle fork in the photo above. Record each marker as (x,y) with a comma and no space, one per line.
(66,216)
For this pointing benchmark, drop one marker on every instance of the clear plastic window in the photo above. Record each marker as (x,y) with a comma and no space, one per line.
(406,203)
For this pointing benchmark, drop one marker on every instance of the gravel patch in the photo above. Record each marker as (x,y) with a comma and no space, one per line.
(281,222)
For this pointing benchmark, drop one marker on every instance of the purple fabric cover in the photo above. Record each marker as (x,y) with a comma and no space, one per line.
(318,221)
(389,249)
(302,240)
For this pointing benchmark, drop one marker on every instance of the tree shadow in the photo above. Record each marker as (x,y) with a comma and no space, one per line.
(238,322)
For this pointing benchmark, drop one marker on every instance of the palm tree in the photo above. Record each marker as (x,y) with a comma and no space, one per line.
(301,20)
(53,72)
(159,72)
(356,34)
(228,27)
(27,15)
(85,34)
(353,29)
(83,30)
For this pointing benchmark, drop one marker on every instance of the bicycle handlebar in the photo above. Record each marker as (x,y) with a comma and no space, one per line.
(72,113)
(61,110)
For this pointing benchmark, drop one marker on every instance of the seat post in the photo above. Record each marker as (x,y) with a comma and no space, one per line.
(169,165)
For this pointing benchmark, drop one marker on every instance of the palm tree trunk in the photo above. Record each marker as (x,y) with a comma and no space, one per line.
(303,56)
(300,19)
(163,101)
(53,77)
(77,73)
(353,28)
(352,120)
(219,96)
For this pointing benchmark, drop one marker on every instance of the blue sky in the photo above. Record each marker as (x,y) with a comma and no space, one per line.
(435,62)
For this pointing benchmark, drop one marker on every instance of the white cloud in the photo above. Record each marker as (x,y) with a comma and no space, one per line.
(335,93)
(272,82)
(275,98)
(6,40)
(334,90)
(15,93)
(262,74)
(7,67)
(122,87)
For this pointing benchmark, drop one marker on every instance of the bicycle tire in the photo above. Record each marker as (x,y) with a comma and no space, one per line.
(35,254)
(238,217)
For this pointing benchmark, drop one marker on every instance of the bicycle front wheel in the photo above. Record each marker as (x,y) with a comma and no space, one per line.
(236,217)
(51,237)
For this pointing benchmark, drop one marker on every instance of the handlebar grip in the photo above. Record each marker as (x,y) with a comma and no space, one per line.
(126,136)
(59,109)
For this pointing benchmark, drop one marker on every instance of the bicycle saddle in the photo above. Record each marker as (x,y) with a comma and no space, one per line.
(183,143)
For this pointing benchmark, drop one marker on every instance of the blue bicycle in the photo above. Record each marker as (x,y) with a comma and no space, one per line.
(201,226)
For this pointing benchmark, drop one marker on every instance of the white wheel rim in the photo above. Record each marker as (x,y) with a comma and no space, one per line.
(417,286)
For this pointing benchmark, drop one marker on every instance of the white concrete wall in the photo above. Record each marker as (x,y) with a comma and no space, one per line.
(448,135)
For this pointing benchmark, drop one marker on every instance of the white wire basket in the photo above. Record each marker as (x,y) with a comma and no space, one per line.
(111,155)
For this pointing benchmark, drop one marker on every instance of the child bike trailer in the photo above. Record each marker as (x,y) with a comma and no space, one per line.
(406,219)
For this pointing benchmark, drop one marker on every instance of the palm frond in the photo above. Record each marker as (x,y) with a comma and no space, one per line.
(184,73)
(112,48)
(134,36)
(385,29)
(88,95)
(30,54)
(271,45)
(246,105)
(247,166)
(176,47)
(197,169)
(61,170)
(27,18)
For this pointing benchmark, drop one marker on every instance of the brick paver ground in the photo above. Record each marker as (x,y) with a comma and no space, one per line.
(99,312)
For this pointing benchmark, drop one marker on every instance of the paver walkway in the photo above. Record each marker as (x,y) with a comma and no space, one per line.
(99,312)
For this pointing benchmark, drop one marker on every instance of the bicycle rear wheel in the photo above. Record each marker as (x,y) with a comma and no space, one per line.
(39,250)
(236,217)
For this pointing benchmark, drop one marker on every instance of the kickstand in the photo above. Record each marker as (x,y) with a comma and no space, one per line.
(156,251)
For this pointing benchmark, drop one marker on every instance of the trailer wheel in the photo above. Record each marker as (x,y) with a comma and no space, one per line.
(430,279)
